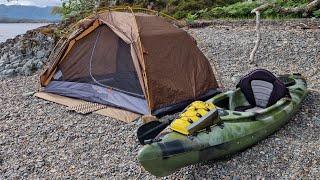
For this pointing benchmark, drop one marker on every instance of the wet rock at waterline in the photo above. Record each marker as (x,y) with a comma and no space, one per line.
(25,54)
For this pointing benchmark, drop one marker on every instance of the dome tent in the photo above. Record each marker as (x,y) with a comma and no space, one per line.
(134,61)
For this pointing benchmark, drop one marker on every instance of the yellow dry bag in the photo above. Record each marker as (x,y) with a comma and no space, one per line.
(196,117)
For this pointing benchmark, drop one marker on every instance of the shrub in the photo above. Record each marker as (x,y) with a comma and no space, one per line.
(181,8)
(237,10)
(316,13)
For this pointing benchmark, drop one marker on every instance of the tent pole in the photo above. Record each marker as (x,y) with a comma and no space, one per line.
(141,52)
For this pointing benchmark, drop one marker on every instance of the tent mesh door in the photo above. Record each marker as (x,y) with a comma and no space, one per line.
(102,58)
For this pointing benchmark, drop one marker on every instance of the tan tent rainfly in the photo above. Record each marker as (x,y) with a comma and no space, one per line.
(133,61)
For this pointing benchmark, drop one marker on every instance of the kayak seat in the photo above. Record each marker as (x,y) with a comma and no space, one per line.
(262,89)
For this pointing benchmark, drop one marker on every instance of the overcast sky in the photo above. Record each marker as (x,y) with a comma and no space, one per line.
(32,2)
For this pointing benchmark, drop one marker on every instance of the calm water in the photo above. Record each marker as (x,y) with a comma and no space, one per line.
(10,30)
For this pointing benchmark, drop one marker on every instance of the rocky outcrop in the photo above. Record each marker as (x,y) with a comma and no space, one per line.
(27,53)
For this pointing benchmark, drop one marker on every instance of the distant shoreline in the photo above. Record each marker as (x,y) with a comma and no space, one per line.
(14,22)
(9,20)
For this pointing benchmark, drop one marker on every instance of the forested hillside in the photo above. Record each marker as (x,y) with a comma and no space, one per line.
(27,13)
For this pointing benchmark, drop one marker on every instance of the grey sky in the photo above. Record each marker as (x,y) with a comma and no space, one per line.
(32,2)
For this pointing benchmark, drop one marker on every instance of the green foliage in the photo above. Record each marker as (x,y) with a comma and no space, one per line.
(237,10)
(191,17)
(291,3)
(183,7)
(188,9)
(177,8)
(316,13)
(79,8)
(243,10)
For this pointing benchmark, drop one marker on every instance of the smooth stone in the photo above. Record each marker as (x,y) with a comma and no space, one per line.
(28,94)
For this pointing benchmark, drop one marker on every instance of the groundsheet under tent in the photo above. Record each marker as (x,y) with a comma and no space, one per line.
(84,107)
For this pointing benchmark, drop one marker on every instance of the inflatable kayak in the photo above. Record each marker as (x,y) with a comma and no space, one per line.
(260,105)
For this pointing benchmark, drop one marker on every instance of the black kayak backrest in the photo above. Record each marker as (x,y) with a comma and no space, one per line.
(261,88)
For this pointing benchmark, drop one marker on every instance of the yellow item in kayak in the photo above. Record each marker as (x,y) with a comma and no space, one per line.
(195,117)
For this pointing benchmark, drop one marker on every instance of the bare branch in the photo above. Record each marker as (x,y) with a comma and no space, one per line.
(254,51)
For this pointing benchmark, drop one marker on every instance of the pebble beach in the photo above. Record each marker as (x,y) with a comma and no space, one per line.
(41,140)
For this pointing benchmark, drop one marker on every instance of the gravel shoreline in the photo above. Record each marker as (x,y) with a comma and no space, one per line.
(39,139)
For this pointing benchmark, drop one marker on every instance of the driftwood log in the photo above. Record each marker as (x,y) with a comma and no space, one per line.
(303,10)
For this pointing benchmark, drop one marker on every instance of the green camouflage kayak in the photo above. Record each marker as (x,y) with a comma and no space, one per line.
(239,129)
